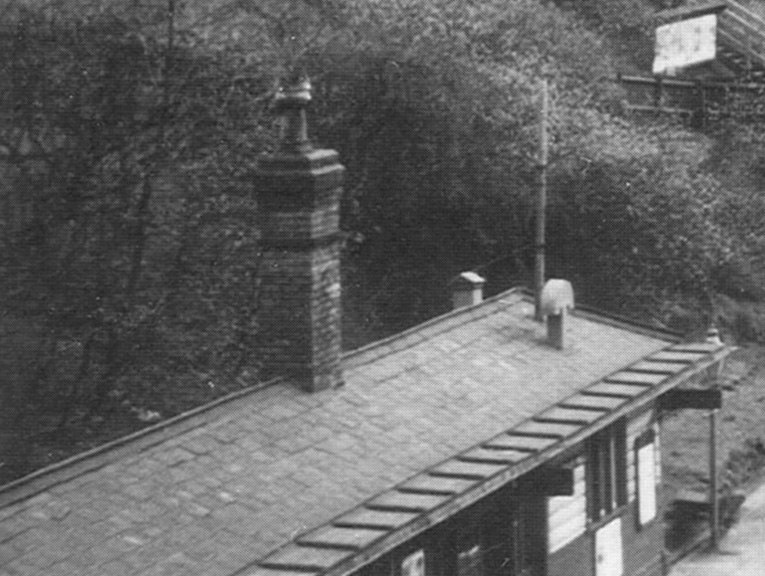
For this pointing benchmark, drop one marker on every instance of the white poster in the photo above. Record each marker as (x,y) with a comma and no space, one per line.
(646,470)
(414,564)
(608,549)
(684,43)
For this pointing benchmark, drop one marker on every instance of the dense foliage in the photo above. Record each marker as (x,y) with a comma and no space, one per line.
(128,263)
(131,258)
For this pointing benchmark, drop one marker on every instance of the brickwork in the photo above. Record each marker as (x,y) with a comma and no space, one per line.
(299,217)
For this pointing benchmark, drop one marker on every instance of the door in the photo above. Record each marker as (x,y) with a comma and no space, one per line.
(503,536)
(608,549)
(528,540)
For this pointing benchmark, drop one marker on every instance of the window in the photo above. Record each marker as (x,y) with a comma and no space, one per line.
(528,536)
(467,541)
(567,515)
(645,458)
(414,564)
(470,561)
(606,471)
(609,555)
(503,535)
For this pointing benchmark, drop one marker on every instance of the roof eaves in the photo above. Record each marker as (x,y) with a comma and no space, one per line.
(625,323)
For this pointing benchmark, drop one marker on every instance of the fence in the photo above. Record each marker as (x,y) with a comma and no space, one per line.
(696,102)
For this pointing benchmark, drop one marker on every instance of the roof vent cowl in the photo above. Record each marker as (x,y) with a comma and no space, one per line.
(557,300)
(467,290)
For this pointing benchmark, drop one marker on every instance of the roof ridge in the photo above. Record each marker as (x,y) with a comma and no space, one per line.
(614,319)
(618,321)
(450,320)
(429,328)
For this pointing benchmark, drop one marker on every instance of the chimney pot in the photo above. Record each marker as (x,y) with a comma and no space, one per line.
(556,301)
(467,290)
(291,103)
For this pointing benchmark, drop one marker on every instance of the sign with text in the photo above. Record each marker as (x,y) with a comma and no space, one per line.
(684,43)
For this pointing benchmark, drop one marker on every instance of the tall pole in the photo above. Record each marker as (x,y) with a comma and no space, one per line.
(714,517)
(539,244)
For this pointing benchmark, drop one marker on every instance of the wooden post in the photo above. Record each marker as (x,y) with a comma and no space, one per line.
(659,95)
(698,106)
(703,105)
(714,518)
(539,245)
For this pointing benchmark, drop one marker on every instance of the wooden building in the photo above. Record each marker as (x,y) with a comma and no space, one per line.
(482,442)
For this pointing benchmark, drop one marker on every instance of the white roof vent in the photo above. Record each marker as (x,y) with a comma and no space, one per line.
(467,290)
(556,301)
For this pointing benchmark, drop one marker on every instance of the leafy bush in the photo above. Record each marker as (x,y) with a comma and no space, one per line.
(131,261)
(128,272)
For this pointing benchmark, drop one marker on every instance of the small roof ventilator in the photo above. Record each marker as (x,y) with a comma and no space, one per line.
(556,301)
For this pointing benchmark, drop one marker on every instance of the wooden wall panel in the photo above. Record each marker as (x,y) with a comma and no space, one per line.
(574,559)
(643,545)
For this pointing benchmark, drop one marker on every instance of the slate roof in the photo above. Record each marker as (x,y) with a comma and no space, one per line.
(224,495)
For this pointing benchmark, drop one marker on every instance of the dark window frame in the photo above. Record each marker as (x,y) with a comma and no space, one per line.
(606,472)
(503,532)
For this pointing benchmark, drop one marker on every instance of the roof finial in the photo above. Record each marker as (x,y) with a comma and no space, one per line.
(291,102)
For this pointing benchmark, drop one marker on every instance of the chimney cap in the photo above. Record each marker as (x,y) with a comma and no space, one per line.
(291,102)
(557,297)
(297,94)
(467,280)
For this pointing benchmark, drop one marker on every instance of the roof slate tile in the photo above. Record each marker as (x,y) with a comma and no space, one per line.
(293,461)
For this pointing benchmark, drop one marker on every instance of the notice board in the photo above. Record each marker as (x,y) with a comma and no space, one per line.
(683,43)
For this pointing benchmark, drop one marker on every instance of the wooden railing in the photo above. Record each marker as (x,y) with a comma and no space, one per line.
(743,30)
(739,29)
(698,102)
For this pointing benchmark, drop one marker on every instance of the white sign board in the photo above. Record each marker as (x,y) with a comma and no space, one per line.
(608,549)
(684,43)
(646,467)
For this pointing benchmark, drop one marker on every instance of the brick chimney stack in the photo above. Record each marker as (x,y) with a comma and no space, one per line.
(299,191)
